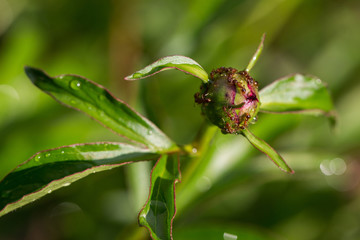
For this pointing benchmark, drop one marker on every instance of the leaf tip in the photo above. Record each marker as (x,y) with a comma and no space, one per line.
(130,77)
(282,165)
(35,74)
(288,170)
(263,36)
(257,54)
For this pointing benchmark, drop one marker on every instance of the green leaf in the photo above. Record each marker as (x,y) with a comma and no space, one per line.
(159,211)
(256,55)
(268,150)
(53,169)
(178,62)
(296,94)
(225,156)
(96,101)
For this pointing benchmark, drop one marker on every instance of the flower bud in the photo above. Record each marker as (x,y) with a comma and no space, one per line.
(230,99)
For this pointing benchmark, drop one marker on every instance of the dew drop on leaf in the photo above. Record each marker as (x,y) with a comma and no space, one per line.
(50,191)
(254,120)
(48,155)
(75,85)
(66,184)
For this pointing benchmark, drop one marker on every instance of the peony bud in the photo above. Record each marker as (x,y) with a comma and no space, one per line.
(230,99)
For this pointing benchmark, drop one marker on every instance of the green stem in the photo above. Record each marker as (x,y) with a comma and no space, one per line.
(199,147)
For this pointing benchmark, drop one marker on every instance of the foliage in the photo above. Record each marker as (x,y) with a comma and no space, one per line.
(226,184)
(52,169)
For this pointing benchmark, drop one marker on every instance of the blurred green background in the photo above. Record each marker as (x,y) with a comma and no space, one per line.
(237,191)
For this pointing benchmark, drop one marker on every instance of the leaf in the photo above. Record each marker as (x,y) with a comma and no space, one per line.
(159,211)
(52,169)
(296,94)
(256,55)
(225,156)
(96,101)
(268,150)
(178,62)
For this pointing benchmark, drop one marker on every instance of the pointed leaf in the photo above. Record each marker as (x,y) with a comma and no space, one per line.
(94,100)
(268,150)
(178,62)
(296,94)
(159,211)
(52,169)
(256,55)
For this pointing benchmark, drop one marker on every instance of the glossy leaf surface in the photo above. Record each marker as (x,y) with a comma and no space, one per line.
(297,94)
(268,150)
(53,169)
(94,100)
(159,211)
(178,62)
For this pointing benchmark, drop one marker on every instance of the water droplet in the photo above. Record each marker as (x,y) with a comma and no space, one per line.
(75,84)
(37,158)
(254,120)
(62,152)
(48,155)
(194,150)
(66,184)
(50,191)
(150,132)
(73,102)
(318,81)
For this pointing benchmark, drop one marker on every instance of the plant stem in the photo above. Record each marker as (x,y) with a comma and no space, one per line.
(199,147)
